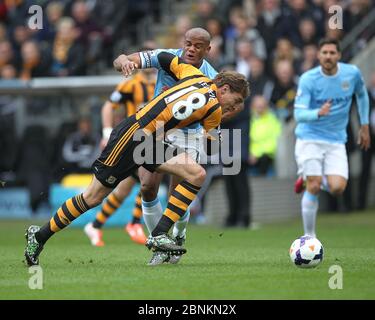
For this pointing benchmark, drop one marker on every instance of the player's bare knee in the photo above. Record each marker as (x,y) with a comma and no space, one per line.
(197,175)
(336,190)
(149,192)
(313,186)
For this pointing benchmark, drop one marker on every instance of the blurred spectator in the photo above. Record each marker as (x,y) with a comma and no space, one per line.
(8,140)
(33,164)
(265,129)
(6,54)
(243,28)
(284,90)
(54,11)
(205,10)
(67,53)
(3,32)
(21,34)
(3,11)
(307,33)
(34,64)
(294,13)
(225,6)
(216,56)
(81,148)
(176,38)
(8,72)
(136,11)
(89,34)
(16,12)
(84,24)
(237,186)
(269,20)
(249,6)
(110,16)
(215,29)
(284,51)
(58,164)
(367,156)
(309,59)
(260,84)
(244,53)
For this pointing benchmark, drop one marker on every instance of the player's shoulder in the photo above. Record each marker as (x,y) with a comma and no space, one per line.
(176,52)
(310,76)
(348,68)
(208,69)
(155,54)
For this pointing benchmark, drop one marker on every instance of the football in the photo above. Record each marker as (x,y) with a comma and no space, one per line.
(306,252)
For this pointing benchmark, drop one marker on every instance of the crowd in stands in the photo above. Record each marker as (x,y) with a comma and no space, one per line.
(76,38)
(271,42)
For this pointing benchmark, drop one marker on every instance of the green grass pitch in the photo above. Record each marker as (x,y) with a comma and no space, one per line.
(219,264)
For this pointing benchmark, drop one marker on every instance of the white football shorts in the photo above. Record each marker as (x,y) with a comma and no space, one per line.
(190,140)
(318,158)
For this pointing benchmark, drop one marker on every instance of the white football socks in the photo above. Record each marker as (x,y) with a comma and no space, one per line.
(309,206)
(179,228)
(152,212)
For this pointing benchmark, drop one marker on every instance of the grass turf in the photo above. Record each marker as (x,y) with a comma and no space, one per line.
(220,264)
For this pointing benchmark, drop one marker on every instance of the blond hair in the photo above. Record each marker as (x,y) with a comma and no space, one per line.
(236,81)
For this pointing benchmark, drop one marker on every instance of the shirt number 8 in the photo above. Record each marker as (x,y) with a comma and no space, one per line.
(184,108)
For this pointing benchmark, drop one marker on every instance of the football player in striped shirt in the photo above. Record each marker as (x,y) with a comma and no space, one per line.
(194,98)
(131,95)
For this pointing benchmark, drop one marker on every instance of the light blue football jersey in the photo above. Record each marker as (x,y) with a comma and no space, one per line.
(315,88)
(149,59)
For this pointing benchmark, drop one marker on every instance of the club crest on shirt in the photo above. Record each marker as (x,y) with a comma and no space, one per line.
(345,85)
(111,179)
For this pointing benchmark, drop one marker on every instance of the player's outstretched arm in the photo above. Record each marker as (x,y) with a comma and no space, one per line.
(126,64)
(107,122)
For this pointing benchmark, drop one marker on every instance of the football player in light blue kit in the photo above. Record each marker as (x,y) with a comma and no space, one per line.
(196,46)
(321,110)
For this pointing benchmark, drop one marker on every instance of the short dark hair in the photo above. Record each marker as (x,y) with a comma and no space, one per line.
(325,41)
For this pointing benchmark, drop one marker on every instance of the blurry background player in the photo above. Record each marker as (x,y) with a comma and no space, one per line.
(367,155)
(322,108)
(196,47)
(132,95)
(80,148)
